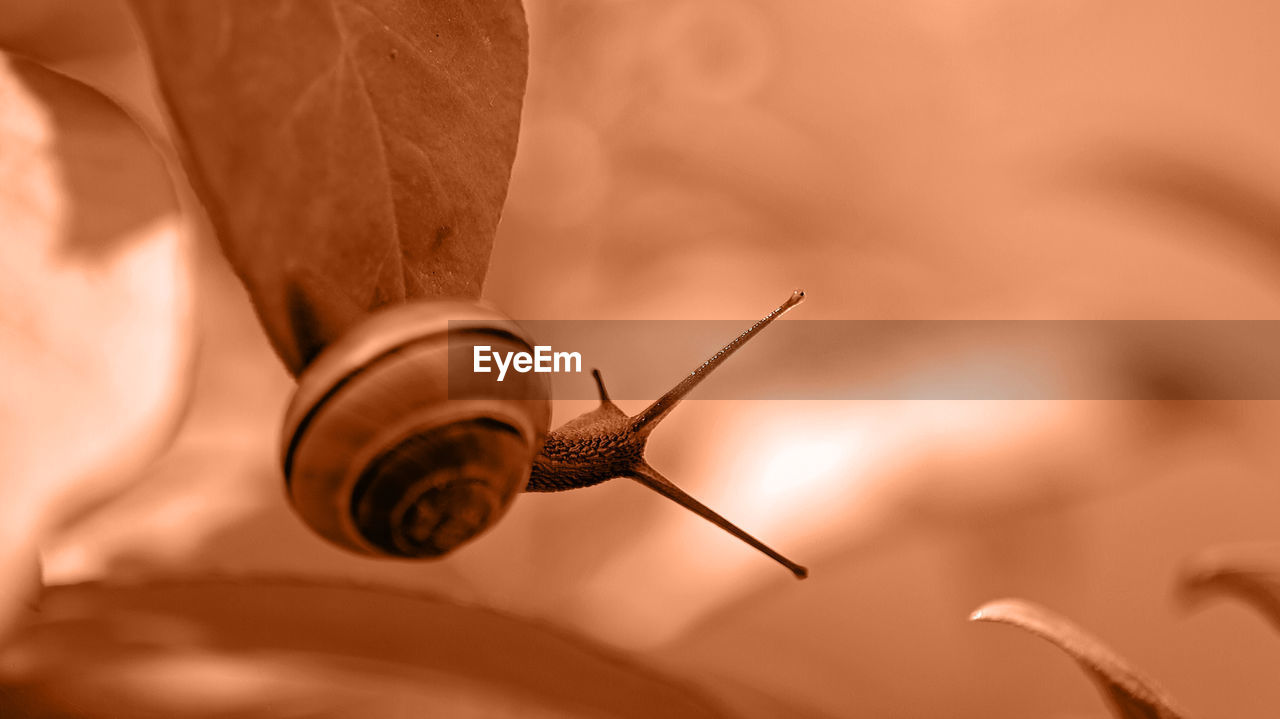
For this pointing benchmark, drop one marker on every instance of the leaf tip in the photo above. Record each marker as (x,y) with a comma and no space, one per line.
(1250,573)
(1129,694)
(1000,610)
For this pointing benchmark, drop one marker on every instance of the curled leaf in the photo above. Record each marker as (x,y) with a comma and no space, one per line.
(1248,573)
(95,308)
(1131,696)
(350,153)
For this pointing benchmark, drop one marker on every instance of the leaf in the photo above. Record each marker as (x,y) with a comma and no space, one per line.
(1131,696)
(1249,573)
(351,153)
(94,308)
(262,647)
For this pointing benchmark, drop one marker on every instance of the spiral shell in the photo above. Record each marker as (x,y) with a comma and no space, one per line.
(388,453)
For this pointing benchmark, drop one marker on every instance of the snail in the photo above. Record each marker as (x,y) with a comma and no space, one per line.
(380,459)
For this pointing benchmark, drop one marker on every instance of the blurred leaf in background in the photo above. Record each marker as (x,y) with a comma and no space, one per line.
(95,307)
(1250,573)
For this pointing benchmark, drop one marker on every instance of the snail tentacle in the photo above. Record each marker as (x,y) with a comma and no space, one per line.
(656,412)
(653,479)
(604,394)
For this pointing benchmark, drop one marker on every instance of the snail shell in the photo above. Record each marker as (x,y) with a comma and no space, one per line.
(388,453)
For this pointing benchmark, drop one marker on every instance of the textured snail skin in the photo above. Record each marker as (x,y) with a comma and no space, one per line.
(605,443)
(384,456)
(586,451)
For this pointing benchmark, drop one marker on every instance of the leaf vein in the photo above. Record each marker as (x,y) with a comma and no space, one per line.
(347,58)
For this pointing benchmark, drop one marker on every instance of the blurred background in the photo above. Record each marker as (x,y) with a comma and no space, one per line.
(700,159)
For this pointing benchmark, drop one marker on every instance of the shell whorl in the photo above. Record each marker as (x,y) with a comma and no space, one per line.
(386,455)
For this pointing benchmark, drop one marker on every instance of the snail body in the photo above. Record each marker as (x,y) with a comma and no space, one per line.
(380,459)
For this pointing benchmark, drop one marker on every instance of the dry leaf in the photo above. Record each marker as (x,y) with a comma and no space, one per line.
(351,153)
(1131,696)
(94,307)
(1247,572)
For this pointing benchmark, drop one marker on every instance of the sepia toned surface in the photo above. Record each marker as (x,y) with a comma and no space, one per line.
(699,160)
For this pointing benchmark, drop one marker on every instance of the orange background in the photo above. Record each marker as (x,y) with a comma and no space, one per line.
(698,159)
